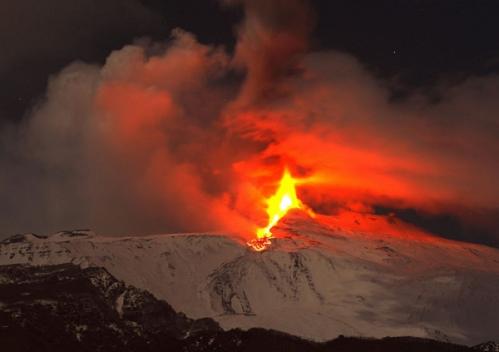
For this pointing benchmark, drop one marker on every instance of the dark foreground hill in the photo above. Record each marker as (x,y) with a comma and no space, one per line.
(67,308)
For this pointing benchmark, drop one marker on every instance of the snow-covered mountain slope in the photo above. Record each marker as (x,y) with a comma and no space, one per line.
(490,346)
(317,280)
(67,308)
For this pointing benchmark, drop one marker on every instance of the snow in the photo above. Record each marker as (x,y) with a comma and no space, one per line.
(490,346)
(119,303)
(319,283)
(79,329)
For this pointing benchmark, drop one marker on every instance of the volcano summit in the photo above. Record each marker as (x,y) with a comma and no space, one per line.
(316,280)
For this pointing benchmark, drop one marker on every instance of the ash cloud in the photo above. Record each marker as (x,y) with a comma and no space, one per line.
(271,40)
(125,147)
(163,138)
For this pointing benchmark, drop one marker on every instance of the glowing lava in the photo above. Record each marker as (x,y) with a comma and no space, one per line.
(278,205)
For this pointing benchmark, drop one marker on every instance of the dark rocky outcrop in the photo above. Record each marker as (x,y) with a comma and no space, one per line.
(67,308)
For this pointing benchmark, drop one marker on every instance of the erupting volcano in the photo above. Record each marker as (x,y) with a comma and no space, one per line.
(260,180)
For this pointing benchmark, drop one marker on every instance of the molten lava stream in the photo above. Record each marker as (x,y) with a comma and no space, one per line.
(278,206)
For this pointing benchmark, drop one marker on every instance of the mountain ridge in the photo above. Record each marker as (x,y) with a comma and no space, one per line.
(64,307)
(316,280)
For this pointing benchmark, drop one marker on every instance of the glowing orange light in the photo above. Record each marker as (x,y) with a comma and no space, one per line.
(278,205)
(260,244)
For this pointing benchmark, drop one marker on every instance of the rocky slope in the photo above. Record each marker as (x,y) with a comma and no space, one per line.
(316,281)
(490,346)
(66,308)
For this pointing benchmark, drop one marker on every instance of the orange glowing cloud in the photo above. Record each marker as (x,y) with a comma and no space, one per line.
(194,138)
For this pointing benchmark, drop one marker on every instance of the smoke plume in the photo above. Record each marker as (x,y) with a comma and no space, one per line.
(185,136)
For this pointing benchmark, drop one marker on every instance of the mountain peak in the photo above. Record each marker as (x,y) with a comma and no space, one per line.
(316,280)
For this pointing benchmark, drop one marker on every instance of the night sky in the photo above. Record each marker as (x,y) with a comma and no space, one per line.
(409,46)
(410,43)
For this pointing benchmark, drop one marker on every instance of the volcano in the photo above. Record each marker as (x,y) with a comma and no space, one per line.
(316,280)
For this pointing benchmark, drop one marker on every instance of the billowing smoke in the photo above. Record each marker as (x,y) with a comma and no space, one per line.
(188,137)
(130,146)
(271,41)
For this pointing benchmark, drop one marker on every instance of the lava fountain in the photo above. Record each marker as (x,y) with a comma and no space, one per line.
(278,205)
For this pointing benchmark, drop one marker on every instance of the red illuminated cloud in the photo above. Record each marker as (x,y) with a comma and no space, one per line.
(174,142)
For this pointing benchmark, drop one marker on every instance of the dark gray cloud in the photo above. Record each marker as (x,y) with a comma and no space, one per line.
(38,38)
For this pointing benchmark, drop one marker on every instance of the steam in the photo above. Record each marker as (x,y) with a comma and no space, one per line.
(164,138)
